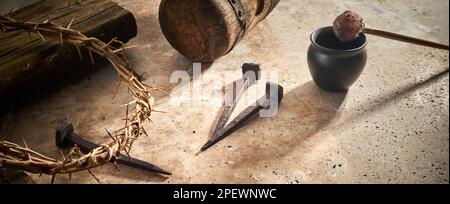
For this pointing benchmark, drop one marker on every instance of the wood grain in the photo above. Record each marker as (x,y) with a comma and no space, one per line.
(204,30)
(26,61)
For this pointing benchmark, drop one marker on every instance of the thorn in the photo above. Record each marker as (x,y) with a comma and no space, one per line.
(119,130)
(71,21)
(145,132)
(79,52)
(62,155)
(69,4)
(92,174)
(127,151)
(61,39)
(109,43)
(125,48)
(115,166)
(92,58)
(158,111)
(49,20)
(53,178)
(162,91)
(25,143)
(70,177)
(42,37)
(119,142)
(157,88)
(29,35)
(130,103)
(138,133)
(26,146)
(126,116)
(117,88)
(110,135)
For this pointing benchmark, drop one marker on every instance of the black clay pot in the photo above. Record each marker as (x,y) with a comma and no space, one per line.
(336,65)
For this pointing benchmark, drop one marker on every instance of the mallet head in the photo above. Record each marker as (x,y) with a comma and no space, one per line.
(62,132)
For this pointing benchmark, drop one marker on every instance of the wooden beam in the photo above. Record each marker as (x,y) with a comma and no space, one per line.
(27,62)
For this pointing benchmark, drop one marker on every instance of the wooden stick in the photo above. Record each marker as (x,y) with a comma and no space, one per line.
(404,38)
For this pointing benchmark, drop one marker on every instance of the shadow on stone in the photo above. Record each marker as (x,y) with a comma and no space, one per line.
(305,111)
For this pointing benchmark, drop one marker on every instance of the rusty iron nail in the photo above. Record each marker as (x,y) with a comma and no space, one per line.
(255,74)
(66,137)
(246,116)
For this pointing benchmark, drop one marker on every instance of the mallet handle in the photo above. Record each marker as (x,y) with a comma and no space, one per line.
(403,38)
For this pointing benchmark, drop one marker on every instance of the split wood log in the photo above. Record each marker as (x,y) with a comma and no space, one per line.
(204,30)
(27,62)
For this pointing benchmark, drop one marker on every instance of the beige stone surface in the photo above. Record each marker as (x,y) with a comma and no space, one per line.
(391,127)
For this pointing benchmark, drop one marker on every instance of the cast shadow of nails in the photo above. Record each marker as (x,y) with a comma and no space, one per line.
(389,97)
(305,111)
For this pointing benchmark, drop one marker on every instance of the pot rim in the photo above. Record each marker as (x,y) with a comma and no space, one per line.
(313,41)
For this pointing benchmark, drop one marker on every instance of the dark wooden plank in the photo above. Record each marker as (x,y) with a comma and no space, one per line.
(26,62)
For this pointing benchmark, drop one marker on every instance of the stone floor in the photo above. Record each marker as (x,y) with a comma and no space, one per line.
(391,127)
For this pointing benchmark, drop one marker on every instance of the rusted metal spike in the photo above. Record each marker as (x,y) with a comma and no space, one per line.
(246,116)
(247,68)
(65,136)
